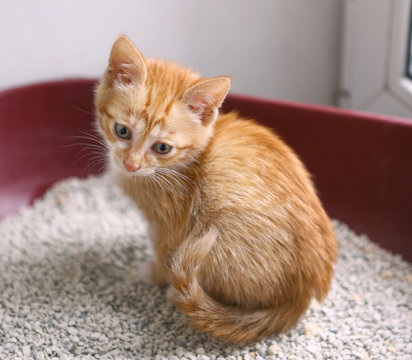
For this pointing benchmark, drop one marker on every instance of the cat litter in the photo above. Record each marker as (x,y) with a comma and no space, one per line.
(74,285)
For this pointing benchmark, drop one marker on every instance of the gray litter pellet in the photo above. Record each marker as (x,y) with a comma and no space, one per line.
(73,285)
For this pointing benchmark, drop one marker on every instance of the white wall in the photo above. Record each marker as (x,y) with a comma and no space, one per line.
(275,48)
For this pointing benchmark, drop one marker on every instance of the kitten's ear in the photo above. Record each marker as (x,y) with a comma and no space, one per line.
(204,98)
(126,64)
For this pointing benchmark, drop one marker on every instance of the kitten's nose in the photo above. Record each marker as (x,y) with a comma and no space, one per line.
(130,167)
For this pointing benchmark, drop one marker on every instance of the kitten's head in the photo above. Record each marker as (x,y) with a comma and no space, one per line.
(152,114)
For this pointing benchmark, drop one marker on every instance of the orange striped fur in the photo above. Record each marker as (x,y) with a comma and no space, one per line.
(238,230)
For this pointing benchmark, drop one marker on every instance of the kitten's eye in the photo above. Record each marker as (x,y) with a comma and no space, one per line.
(122,131)
(162,148)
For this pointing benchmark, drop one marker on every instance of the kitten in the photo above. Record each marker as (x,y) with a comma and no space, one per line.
(238,230)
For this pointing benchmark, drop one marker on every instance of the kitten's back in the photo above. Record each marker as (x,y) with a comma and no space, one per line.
(273,228)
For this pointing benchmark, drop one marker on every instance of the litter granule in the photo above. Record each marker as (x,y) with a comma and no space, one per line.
(74,285)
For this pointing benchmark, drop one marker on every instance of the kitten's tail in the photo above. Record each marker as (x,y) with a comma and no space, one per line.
(227,323)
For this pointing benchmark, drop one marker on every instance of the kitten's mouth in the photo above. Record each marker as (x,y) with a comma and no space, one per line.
(133,170)
(140,172)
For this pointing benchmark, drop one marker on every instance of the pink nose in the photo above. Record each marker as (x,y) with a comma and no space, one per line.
(130,167)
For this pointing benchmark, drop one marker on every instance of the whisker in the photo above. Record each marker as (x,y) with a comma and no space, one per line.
(86,146)
(175,182)
(168,182)
(91,147)
(96,161)
(156,182)
(86,151)
(92,135)
(84,111)
(79,137)
(87,136)
(179,178)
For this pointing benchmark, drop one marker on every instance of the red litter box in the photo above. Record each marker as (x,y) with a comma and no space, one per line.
(361,163)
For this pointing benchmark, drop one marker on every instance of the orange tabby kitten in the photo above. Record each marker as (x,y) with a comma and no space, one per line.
(239,233)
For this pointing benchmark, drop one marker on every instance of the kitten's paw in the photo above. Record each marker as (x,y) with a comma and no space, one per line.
(157,274)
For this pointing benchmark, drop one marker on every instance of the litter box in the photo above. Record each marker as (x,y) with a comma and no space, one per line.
(361,163)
